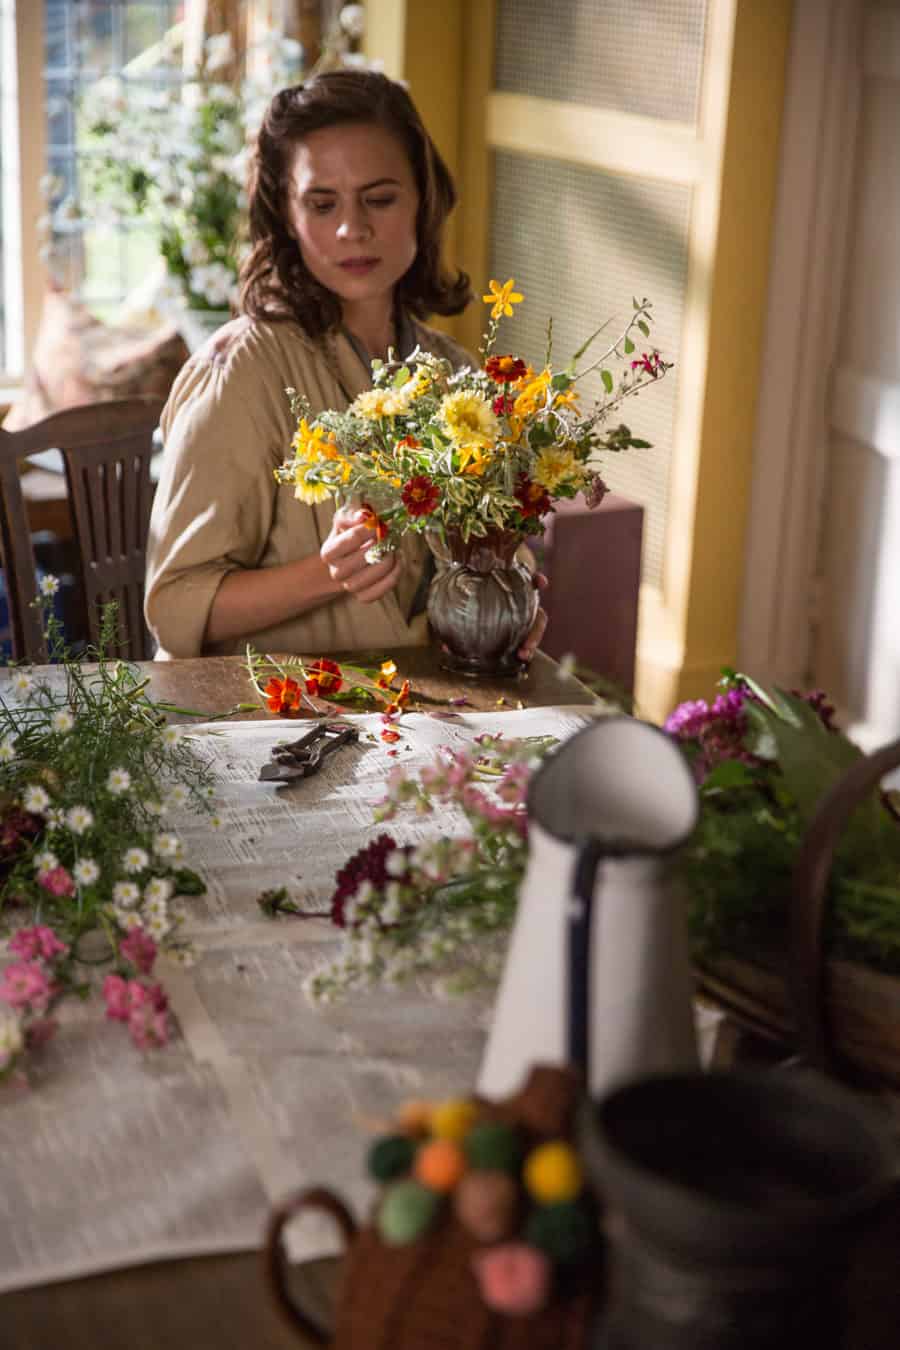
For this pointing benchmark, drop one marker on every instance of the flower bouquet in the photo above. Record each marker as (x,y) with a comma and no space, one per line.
(473,460)
(91,870)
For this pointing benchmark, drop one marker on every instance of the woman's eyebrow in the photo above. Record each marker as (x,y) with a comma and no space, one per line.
(364,187)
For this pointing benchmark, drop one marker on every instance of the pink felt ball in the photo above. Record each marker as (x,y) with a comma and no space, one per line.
(514,1278)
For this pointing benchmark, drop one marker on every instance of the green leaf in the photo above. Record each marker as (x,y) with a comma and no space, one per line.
(728,773)
(607,379)
(643,327)
(629,346)
(562,381)
(400,379)
(640,445)
(188,882)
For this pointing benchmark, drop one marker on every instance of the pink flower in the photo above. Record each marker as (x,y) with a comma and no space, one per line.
(57,881)
(118,1000)
(26,986)
(148,1026)
(37,943)
(140,949)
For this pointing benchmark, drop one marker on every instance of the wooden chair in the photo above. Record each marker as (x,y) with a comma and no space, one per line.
(106,448)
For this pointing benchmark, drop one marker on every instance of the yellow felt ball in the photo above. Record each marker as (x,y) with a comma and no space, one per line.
(552,1173)
(453,1119)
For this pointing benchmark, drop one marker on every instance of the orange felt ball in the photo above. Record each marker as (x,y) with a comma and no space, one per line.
(440,1164)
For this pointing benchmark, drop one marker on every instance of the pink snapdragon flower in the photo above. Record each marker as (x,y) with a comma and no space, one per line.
(144,1007)
(140,949)
(26,986)
(149,1027)
(39,943)
(58,881)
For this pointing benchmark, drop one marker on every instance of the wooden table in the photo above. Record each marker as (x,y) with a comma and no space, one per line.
(221,1302)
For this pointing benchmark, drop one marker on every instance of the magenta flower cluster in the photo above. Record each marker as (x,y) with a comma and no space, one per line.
(713,731)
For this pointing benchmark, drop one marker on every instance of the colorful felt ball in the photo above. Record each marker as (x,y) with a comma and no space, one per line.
(414,1117)
(440,1164)
(487,1205)
(390,1156)
(406,1212)
(494,1146)
(453,1119)
(564,1231)
(552,1172)
(513,1278)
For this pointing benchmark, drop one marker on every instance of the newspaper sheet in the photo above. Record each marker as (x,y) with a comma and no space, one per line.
(114,1158)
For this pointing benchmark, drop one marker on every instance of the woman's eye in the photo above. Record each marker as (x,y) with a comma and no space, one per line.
(321,208)
(380,201)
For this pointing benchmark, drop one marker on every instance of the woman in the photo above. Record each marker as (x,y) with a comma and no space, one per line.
(347,204)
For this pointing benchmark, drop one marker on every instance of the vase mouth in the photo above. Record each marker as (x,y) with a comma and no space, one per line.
(497,547)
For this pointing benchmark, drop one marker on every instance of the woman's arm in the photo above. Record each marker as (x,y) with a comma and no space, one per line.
(249,599)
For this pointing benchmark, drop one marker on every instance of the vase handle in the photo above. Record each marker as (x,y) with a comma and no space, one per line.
(808,970)
(275,1258)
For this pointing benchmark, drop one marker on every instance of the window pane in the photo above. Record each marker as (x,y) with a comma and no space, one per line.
(3,130)
(634,56)
(580,243)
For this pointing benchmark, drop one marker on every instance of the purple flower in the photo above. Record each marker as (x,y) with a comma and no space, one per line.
(369,864)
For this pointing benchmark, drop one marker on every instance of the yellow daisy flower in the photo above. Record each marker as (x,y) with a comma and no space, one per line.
(472,459)
(533,395)
(310,444)
(553,466)
(375,404)
(502,298)
(306,491)
(468,418)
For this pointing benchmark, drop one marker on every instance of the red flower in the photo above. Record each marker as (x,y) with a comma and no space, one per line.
(420,495)
(390,735)
(324,677)
(502,405)
(373,522)
(283,697)
(650,363)
(505,369)
(533,499)
(410,442)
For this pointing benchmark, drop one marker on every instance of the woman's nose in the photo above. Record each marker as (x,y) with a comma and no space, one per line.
(354,224)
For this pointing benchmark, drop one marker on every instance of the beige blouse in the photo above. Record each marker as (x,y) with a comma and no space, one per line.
(226,426)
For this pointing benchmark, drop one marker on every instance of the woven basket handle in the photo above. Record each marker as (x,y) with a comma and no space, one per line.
(275,1257)
(808,972)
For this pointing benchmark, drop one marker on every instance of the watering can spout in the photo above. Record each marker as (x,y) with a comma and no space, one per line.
(597,974)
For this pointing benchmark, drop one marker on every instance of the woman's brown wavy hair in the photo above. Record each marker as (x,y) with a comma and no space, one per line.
(275,282)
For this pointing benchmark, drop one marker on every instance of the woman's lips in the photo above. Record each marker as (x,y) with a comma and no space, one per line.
(358,266)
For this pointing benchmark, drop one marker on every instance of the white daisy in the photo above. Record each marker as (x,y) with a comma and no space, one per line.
(21,682)
(154,808)
(216,822)
(56,817)
(126,893)
(128,919)
(185,956)
(35,799)
(79,819)
(156,909)
(157,927)
(85,871)
(170,735)
(45,862)
(176,796)
(7,750)
(62,721)
(119,781)
(135,860)
(49,585)
(160,888)
(167,845)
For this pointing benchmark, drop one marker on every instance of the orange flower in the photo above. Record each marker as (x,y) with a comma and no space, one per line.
(374,522)
(390,735)
(505,369)
(410,442)
(387,675)
(400,701)
(283,697)
(324,677)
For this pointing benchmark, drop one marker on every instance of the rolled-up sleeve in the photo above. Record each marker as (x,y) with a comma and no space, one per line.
(214,503)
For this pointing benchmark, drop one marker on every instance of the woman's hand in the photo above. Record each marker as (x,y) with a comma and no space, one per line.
(536,632)
(344,554)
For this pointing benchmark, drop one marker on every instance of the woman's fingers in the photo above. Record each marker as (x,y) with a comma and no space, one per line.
(373,586)
(533,638)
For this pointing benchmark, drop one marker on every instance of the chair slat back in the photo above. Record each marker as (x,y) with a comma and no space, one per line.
(17,559)
(106,448)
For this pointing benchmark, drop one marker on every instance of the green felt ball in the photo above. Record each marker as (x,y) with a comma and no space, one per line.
(390,1156)
(493,1146)
(564,1231)
(407,1210)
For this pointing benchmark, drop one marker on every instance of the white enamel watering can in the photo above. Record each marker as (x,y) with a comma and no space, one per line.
(598,973)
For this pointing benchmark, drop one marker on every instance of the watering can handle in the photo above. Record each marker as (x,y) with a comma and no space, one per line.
(808,973)
(578,958)
(274,1256)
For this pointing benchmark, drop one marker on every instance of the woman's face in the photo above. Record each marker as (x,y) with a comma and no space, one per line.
(352,204)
